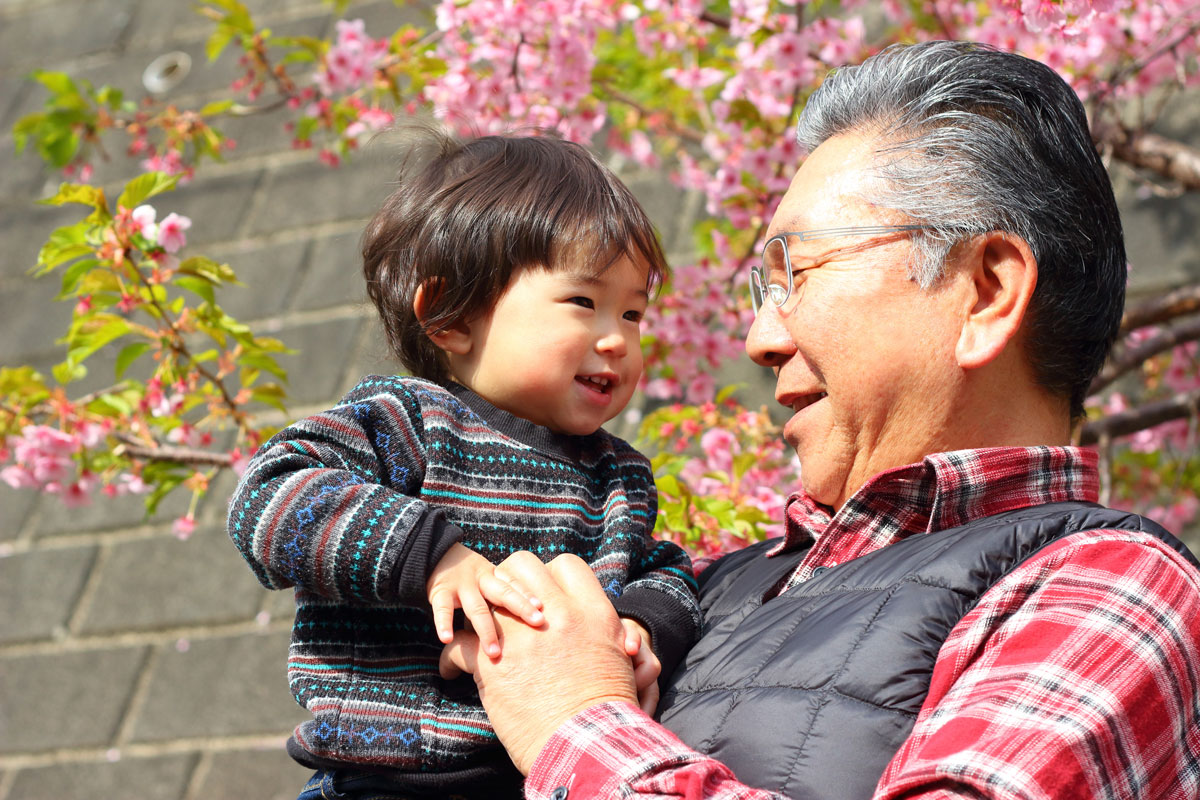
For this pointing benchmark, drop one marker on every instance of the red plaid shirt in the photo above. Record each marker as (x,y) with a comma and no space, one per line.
(1075,676)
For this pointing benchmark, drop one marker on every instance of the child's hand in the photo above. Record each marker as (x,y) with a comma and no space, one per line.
(646,665)
(464,579)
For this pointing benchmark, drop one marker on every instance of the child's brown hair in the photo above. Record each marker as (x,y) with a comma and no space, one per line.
(468,213)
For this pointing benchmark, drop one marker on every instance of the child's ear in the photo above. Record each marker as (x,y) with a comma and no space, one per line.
(453,338)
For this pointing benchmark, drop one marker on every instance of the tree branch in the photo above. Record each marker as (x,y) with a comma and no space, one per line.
(1166,157)
(1176,303)
(134,448)
(1129,358)
(1137,419)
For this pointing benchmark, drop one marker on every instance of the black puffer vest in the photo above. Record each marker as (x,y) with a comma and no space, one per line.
(811,693)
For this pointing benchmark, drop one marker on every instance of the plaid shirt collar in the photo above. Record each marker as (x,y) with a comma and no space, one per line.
(942,491)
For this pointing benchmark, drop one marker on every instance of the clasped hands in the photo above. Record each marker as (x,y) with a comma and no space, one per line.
(544,643)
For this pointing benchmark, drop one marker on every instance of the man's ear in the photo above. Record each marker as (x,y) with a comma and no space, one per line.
(1002,275)
(453,338)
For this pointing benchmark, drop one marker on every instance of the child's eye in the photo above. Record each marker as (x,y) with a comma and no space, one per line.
(586,302)
(634,316)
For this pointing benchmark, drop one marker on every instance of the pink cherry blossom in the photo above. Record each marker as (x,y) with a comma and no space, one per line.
(144,217)
(171,235)
(184,526)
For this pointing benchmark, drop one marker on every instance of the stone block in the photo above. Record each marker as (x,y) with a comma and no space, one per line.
(254,775)
(334,275)
(310,193)
(281,605)
(374,357)
(24,228)
(41,35)
(164,582)
(107,514)
(671,209)
(22,175)
(64,700)
(159,778)
(224,686)
(1157,233)
(383,17)
(15,505)
(316,371)
(270,274)
(17,99)
(34,319)
(39,590)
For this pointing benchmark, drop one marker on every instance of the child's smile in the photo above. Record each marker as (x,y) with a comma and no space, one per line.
(561,347)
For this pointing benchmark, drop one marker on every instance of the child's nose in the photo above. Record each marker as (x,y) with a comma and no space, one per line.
(613,343)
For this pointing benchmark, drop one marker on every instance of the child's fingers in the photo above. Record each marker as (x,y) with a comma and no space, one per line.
(476,610)
(633,641)
(648,698)
(646,668)
(511,596)
(443,615)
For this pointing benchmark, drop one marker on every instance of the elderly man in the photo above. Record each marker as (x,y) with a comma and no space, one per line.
(950,614)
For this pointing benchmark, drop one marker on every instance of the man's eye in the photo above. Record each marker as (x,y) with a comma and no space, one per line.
(586,302)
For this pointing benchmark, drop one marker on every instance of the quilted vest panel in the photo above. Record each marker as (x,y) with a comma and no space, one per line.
(812,692)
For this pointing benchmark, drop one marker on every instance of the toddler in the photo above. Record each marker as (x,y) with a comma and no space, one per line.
(511,275)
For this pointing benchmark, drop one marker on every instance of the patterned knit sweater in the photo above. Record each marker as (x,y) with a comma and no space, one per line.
(354,507)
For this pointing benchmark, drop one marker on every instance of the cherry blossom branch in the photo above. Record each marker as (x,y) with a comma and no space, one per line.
(1176,303)
(1137,419)
(1166,157)
(134,448)
(1130,358)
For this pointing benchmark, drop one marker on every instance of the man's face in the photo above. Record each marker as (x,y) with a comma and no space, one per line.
(862,354)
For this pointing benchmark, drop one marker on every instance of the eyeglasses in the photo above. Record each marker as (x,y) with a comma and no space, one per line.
(774,277)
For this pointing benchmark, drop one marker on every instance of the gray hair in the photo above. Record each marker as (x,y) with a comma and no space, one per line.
(973,140)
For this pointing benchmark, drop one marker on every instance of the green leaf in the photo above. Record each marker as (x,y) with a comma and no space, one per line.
(726,392)
(670,486)
(270,394)
(67,371)
(263,362)
(130,353)
(101,329)
(208,269)
(77,193)
(197,286)
(145,186)
(59,148)
(217,107)
(113,403)
(216,43)
(57,83)
(74,273)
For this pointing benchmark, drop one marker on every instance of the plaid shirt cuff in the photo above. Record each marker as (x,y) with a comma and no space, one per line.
(606,747)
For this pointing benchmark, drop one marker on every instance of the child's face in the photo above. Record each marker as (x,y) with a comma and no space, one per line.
(560,348)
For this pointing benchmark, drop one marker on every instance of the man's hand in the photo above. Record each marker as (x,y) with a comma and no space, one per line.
(464,579)
(646,666)
(546,675)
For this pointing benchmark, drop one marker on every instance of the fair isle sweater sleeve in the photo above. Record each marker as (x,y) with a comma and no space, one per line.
(330,503)
(662,591)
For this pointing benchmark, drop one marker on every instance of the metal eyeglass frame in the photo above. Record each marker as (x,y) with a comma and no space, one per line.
(761,289)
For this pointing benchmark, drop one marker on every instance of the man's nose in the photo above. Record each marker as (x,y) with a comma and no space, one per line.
(769,341)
